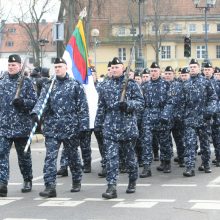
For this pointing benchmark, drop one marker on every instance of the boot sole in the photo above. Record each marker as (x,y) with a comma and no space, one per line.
(25,190)
(105,196)
(3,194)
(47,196)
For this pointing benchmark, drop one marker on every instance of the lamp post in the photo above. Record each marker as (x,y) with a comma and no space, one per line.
(42,43)
(206,7)
(95,34)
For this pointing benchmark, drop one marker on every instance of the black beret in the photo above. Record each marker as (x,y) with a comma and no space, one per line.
(59,60)
(35,74)
(180,69)
(116,61)
(109,63)
(217,70)
(146,71)
(207,65)
(169,69)
(154,65)
(185,70)
(194,61)
(92,68)
(14,58)
(137,73)
(45,72)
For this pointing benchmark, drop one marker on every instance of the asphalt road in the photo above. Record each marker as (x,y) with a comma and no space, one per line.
(160,197)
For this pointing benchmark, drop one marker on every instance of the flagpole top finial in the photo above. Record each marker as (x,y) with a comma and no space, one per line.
(83,13)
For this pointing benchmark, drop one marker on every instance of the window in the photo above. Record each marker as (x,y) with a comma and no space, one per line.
(9,43)
(31,60)
(153,28)
(165,52)
(218,27)
(121,31)
(133,54)
(11,30)
(122,54)
(178,28)
(192,28)
(218,51)
(203,27)
(133,31)
(166,28)
(200,52)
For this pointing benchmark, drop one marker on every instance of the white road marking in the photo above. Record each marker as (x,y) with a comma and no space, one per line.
(101,200)
(7,200)
(62,203)
(206,204)
(179,185)
(37,178)
(24,219)
(205,201)
(105,184)
(52,199)
(214,183)
(135,205)
(34,184)
(155,200)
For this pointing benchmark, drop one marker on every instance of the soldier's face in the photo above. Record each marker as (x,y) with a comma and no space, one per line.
(208,72)
(217,76)
(109,72)
(169,76)
(117,70)
(60,69)
(14,68)
(194,69)
(138,79)
(184,76)
(131,75)
(155,73)
(145,77)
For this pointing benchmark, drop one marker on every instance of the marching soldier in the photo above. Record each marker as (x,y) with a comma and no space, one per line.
(15,123)
(119,123)
(65,118)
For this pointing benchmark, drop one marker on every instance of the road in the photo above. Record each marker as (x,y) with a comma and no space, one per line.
(160,197)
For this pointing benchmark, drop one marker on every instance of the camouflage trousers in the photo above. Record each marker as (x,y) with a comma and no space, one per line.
(24,159)
(190,139)
(216,140)
(112,156)
(73,158)
(102,151)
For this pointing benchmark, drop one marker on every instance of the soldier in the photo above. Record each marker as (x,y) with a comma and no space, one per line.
(145,75)
(65,118)
(15,123)
(199,101)
(155,94)
(119,123)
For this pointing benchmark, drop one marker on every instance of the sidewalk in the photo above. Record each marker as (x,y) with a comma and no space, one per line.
(38,138)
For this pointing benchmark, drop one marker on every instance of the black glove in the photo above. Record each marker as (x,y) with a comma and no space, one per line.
(164,121)
(34,118)
(123,106)
(18,103)
(207,116)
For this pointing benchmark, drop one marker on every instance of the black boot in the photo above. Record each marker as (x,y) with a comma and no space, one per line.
(131,186)
(111,192)
(181,162)
(217,163)
(87,168)
(146,172)
(49,192)
(207,168)
(161,166)
(156,156)
(189,172)
(176,159)
(76,186)
(167,167)
(3,190)
(27,187)
(201,167)
(62,172)
(214,161)
(103,173)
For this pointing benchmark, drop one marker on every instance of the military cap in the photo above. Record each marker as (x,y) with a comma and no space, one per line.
(137,73)
(217,70)
(180,69)
(109,63)
(59,60)
(116,61)
(146,71)
(155,65)
(185,70)
(35,73)
(169,69)
(92,68)
(14,58)
(45,72)
(194,61)
(207,65)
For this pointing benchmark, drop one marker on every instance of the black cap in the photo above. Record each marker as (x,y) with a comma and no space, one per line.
(137,73)
(155,65)
(169,69)
(59,60)
(92,68)
(217,70)
(45,72)
(194,61)
(185,70)
(109,63)
(35,73)
(146,71)
(116,61)
(180,69)
(207,65)
(14,58)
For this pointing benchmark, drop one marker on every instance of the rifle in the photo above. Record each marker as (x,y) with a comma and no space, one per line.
(21,80)
(126,78)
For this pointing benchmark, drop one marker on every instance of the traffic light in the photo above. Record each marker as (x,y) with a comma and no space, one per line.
(187,47)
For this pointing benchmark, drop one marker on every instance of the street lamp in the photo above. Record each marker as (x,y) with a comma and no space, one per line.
(42,43)
(95,34)
(206,7)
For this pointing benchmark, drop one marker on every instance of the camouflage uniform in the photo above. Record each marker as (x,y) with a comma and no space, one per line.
(119,128)
(15,125)
(65,116)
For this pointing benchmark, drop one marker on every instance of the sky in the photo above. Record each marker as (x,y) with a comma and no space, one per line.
(10,9)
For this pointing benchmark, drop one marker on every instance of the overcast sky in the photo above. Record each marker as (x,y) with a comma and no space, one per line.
(10,9)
